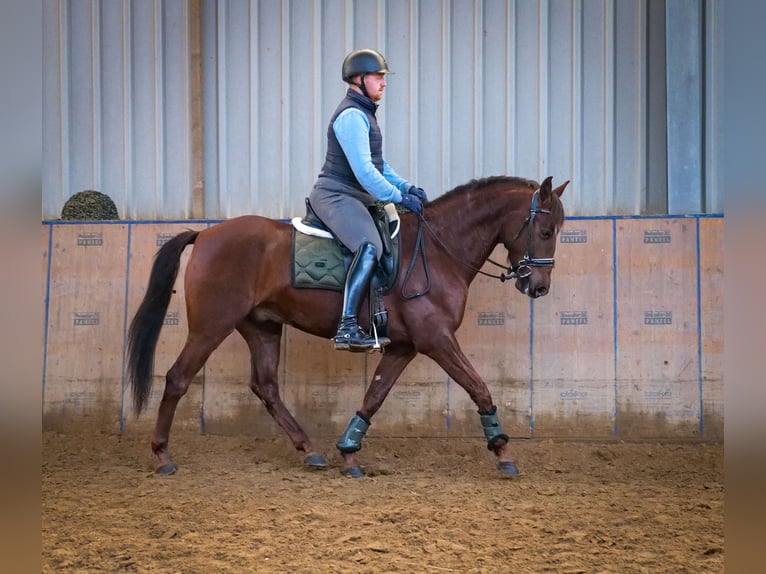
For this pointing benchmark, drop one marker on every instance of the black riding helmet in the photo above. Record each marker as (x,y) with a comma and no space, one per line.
(363,62)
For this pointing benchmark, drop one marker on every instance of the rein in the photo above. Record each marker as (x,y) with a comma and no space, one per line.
(519,270)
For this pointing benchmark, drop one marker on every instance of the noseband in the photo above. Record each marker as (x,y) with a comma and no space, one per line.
(519,270)
(524,267)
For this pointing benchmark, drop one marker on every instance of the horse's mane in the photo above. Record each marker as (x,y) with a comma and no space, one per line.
(557,208)
(484,182)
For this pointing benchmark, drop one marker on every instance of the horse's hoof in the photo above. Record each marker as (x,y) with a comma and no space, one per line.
(508,468)
(353,472)
(315,460)
(166,469)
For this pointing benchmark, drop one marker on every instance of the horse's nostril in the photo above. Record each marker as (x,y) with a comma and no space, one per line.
(541,291)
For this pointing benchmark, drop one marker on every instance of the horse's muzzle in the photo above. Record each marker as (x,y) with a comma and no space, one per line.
(530,287)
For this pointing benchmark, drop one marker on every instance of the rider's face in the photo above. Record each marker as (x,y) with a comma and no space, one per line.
(375,84)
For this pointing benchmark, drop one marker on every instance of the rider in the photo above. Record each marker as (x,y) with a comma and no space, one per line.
(353,177)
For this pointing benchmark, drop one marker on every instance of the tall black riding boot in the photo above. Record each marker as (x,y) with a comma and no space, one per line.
(350,335)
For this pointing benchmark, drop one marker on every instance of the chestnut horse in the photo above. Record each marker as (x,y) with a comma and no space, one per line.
(239,278)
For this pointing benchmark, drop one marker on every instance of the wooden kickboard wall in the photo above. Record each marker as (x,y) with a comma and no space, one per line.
(628,344)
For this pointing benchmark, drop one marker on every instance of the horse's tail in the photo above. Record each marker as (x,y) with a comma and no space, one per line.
(146,324)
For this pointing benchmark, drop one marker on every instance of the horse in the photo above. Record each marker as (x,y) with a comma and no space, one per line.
(238,277)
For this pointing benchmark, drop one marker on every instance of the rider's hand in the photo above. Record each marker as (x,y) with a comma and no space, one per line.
(412,202)
(418,192)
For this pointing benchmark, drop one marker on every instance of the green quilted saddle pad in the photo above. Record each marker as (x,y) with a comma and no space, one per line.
(317,263)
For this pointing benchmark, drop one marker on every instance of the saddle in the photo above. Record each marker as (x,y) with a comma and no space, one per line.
(321,261)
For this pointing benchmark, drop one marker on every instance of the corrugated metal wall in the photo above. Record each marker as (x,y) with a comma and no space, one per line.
(117,105)
(619,97)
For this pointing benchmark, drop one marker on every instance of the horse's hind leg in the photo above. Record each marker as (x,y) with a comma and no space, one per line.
(192,358)
(264,341)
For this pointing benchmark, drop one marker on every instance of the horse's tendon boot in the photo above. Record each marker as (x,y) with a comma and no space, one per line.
(351,439)
(493,432)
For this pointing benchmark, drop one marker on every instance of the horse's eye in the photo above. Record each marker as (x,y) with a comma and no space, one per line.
(546,233)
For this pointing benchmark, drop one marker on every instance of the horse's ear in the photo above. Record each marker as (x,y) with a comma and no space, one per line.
(546,192)
(560,189)
(545,189)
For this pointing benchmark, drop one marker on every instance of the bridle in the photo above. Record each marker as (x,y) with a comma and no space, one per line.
(519,270)
(528,262)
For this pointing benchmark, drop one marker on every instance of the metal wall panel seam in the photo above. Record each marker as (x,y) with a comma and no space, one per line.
(641,116)
(197,107)
(159,110)
(209,87)
(177,111)
(64,98)
(615,314)
(78,70)
(478,91)
(532,368)
(655,197)
(51,83)
(224,204)
(576,131)
(127,119)
(700,380)
(348,30)
(683,71)
(96,136)
(608,94)
(204,383)
(125,327)
(348,39)
(285,111)
(380,29)
(543,86)
(446,91)
(510,137)
(414,164)
(201,420)
(316,102)
(188,181)
(380,46)
(254,86)
(46,314)
(710,177)
(80,87)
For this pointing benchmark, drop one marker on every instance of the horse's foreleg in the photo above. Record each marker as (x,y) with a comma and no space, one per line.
(264,341)
(450,357)
(394,360)
(177,381)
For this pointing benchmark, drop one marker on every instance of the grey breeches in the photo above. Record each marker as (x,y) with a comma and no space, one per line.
(348,218)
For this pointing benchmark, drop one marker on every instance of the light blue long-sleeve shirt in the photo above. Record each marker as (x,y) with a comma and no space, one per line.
(352,129)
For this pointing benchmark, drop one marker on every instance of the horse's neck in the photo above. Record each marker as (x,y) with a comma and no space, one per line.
(472,231)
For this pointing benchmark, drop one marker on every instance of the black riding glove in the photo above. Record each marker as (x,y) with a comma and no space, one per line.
(419,193)
(412,202)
